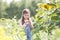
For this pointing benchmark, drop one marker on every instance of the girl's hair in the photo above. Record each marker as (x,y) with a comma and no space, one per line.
(25,11)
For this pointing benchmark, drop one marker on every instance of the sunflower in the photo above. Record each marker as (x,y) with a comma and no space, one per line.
(53,5)
(46,6)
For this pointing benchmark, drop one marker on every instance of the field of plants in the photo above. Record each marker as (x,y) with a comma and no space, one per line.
(45,17)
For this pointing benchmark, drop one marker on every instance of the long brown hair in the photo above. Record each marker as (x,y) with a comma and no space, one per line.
(25,11)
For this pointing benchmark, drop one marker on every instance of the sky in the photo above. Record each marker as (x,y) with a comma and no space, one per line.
(8,1)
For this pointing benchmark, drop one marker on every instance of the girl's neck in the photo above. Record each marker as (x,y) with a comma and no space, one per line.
(25,19)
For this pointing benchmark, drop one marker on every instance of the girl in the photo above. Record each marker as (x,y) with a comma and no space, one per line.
(26,23)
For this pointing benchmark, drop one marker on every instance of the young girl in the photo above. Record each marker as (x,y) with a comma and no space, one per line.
(26,23)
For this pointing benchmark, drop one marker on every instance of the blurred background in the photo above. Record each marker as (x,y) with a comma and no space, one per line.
(45,15)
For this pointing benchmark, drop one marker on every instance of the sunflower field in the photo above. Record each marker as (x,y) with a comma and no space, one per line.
(45,15)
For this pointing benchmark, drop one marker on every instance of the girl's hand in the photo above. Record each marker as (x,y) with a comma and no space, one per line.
(26,22)
(30,24)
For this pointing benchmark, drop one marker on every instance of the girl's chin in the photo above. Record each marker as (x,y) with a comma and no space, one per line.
(26,18)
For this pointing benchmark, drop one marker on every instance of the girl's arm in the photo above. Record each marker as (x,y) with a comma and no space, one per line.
(20,23)
(31,24)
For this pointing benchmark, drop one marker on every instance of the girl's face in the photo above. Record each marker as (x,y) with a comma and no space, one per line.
(26,16)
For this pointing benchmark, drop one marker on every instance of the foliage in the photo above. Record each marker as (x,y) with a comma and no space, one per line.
(15,8)
(45,17)
(10,30)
